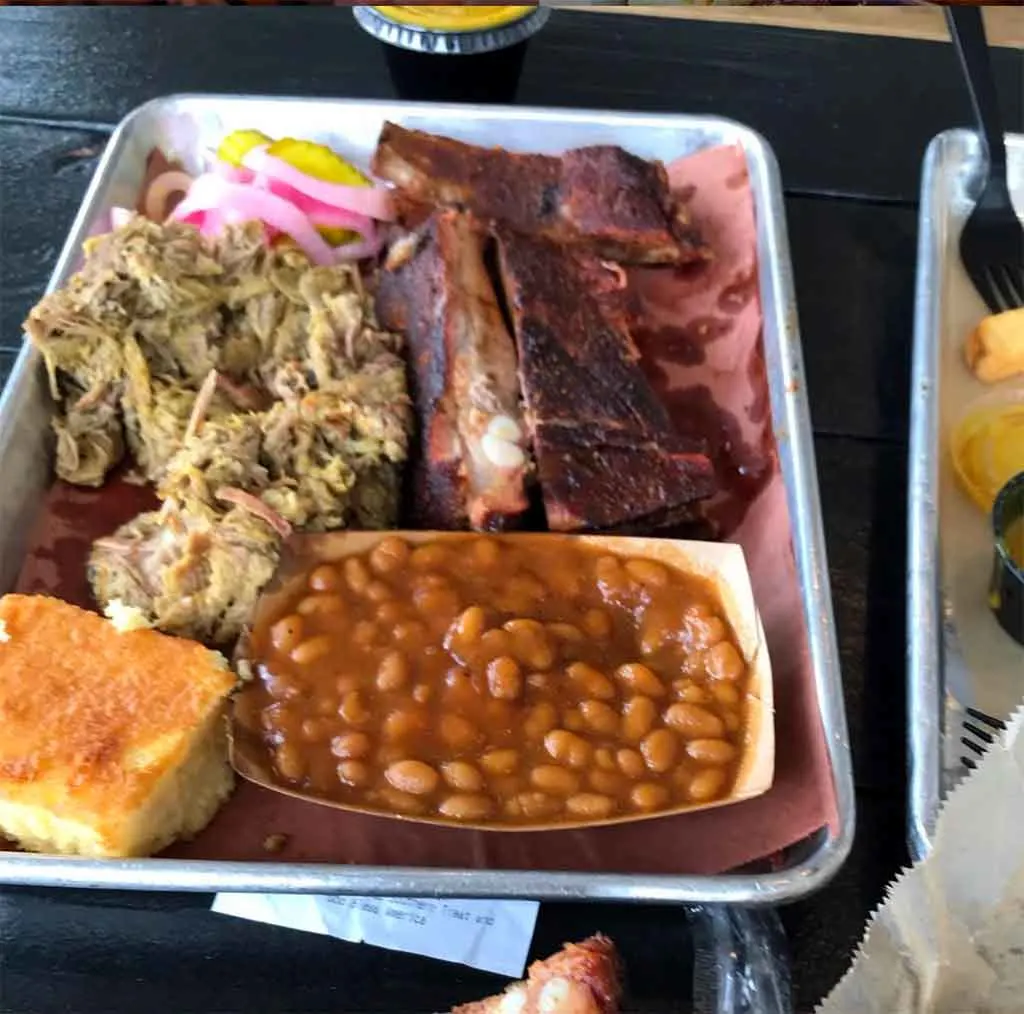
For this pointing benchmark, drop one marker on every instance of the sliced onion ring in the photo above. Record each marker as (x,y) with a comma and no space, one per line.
(358,249)
(161,190)
(374,202)
(326,215)
(229,172)
(241,202)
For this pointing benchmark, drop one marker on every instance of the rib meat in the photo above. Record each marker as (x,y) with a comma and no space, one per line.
(472,462)
(607,455)
(600,197)
(583,978)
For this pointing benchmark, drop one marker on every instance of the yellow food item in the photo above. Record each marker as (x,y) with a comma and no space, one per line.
(112,744)
(455,17)
(315,160)
(238,144)
(318,161)
(988,450)
(321,163)
(995,349)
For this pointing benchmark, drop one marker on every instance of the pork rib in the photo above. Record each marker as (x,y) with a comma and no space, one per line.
(601,197)
(583,978)
(608,458)
(472,462)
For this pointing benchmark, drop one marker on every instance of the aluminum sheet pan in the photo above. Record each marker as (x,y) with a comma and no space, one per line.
(956,655)
(188,125)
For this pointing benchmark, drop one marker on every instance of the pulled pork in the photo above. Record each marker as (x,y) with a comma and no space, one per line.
(256,390)
(193,574)
(156,308)
(155,287)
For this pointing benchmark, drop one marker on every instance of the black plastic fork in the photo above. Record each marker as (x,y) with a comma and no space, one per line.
(979,739)
(992,241)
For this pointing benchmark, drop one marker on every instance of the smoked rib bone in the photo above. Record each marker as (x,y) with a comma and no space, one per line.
(472,462)
(601,197)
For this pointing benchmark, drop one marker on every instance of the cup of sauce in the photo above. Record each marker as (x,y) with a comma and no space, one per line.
(1006,594)
(455,52)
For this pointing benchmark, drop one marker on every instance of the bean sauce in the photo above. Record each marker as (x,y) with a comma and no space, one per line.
(504,682)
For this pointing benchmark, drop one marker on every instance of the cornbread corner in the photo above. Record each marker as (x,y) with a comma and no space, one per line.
(112,744)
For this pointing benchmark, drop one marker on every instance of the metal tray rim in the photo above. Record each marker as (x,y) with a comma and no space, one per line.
(924,622)
(925,690)
(823,854)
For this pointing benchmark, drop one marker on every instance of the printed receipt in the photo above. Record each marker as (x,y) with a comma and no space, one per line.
(493,936)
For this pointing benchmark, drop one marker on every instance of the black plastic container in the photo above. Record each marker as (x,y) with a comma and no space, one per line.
(1006,593)
(480,77)
(445,65)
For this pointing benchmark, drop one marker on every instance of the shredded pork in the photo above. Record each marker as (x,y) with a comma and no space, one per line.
(197,575)
(256,390)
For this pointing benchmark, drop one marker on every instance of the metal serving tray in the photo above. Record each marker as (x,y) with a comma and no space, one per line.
(940,682)
(186,126)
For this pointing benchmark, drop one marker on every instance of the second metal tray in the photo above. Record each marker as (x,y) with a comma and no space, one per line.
(188,125)
(941,680)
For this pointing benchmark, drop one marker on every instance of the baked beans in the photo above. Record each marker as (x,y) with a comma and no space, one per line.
(393,671)
(590,805)
(351,745)
(462,775)
(310,650)
(465,806)
(320,604)
(506,682)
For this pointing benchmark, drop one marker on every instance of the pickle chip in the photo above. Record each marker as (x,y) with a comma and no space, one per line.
(321,163)
(238,144)
(318,161)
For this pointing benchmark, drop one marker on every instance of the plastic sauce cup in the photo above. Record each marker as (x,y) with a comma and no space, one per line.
(454,53)
(1006,592)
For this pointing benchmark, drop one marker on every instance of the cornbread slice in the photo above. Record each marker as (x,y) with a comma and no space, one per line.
(111,744)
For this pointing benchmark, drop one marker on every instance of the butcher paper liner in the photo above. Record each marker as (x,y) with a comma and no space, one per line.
(701,340)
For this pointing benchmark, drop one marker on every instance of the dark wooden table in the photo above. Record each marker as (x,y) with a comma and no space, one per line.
(848,116)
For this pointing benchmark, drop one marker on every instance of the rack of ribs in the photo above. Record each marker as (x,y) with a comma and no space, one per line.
(472,462)
(608,458)
(601,198)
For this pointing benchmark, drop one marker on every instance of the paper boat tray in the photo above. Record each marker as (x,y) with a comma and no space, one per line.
(722,565)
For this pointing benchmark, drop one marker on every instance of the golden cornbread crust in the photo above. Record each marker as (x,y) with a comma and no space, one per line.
(112,744)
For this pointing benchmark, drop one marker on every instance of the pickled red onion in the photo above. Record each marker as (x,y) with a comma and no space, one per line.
(210,193)
(212,224)
(231,173)
(161,189)
(358,249)
(373,202)
(325,215)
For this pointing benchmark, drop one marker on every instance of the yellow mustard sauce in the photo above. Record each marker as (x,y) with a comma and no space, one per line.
(988,450)
(455,17)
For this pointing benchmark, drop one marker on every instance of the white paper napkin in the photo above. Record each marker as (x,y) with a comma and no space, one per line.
(493,936)
(949,938)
